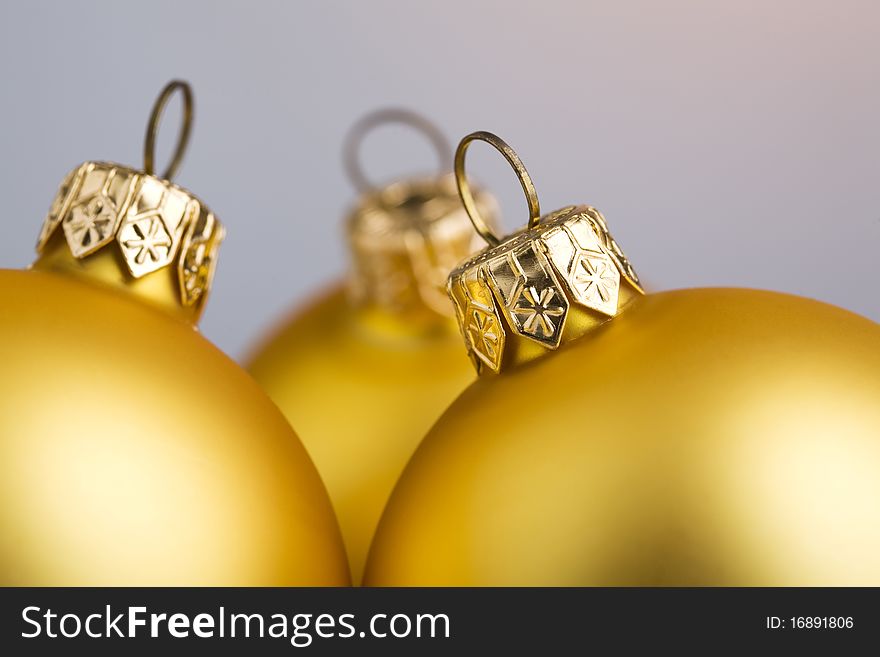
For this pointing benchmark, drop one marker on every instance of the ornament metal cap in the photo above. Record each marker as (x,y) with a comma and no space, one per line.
(135,230)
(542,286)
(405,237)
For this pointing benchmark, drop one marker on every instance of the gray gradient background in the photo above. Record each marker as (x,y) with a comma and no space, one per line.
(727,143)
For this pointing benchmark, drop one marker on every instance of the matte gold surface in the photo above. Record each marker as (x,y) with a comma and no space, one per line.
(362,386)
(702,437)
(133,452)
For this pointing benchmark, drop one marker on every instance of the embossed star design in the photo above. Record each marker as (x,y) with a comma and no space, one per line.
(595,277)
(483,330)
(536,307)
(93,221)
(150,238)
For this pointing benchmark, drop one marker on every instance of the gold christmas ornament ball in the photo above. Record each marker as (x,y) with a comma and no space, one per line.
(703,437)
(133,452)
(716,437)
(365,369)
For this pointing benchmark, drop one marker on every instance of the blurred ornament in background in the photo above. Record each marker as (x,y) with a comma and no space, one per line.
(132,451)
(364,370)
(721,437)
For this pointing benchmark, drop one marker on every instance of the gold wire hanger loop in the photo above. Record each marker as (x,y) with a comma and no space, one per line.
(467,196)
(352,146)
(153,128)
